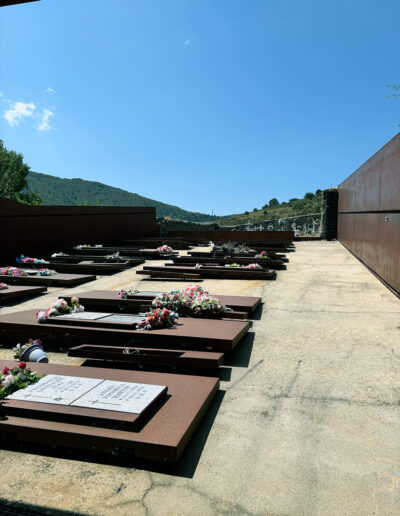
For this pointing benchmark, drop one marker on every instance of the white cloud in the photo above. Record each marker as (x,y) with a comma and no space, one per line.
(187,42)
(18,111)
(45,124)
(50,91)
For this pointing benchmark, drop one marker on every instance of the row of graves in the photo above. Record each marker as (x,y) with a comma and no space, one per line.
(152,365)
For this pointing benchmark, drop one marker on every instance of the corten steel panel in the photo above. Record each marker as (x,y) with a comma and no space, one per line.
(390,182)
(388,267)
(247,236)
(357,240)
(361,191)
(39,230)
(347,194)
(345,228)
(370,255)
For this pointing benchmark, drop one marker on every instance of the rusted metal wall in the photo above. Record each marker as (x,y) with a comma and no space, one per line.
(369,213)
(40,230)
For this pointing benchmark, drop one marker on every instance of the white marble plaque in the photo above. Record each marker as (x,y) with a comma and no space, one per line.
(94,393)
(90,316)
(128,319)
(61,390)
(120,396)
(140,294)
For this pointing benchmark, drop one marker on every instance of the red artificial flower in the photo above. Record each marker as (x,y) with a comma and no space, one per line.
(5,370)
(22,365)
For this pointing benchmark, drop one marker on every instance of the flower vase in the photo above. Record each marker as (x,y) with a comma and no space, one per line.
(34,353)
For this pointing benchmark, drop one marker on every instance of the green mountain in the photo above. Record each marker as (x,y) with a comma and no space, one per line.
(55,190)
(59,191)
(310,204)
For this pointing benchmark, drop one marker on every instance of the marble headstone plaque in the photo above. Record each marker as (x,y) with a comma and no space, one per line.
(91,316)
(129,319)
(61,390)
(120,396)
(96,393)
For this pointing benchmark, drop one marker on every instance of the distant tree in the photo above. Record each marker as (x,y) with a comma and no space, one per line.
(293,199)
(255,209)
(273,202)
(13,177)
(246,212)
(318,192)
(309,196)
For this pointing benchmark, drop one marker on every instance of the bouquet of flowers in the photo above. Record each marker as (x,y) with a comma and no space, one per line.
(194,290)
(165,249)
(159,318)
(20,350)
(56,255)
(59,307)
(193,298)
(173,300)
(3,286)
(12,271)
(16,378)
(46,272)
(263,254)
(124,293)
(209,304)
(27,259)
(254,266)
(232,265)
(84,246)
(112,257)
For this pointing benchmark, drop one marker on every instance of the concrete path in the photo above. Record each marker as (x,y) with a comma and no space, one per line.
(307,421)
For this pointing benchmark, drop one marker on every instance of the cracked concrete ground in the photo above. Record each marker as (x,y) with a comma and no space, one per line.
(307,421)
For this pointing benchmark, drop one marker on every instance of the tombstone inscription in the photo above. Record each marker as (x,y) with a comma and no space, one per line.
(95,393)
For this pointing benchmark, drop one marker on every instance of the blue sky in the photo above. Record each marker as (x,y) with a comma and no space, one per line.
(205,104)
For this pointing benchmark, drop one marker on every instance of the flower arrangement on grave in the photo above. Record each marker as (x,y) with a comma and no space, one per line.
(20,350)
(18,377)
(194,290)
(232,265)
(174,300)
(254,267)
(82,246)
(3,286)
(165,249)
(28,259)
(230,248)
(208,304)
(158,318)
(198,266)
(46,272)
(12,271)
(59,307)
(56,255)
(124,293)
(263,254)
(193,298)
(114,257)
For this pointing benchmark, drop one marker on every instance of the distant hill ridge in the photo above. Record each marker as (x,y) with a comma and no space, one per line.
(61,191)
(56,190)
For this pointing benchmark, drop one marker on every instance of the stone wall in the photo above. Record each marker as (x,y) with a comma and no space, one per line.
(302,224)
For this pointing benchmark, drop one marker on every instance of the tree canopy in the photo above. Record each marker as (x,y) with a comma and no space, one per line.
(13,177)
